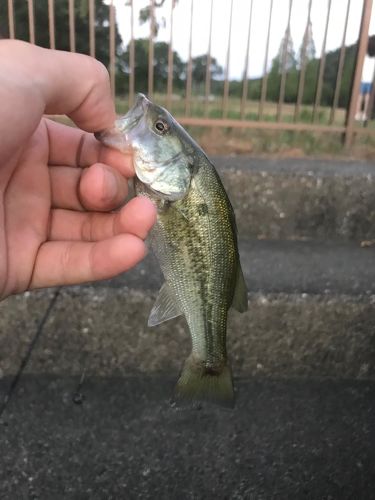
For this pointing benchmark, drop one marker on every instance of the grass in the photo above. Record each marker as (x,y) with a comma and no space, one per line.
(220,140)
(251,110)
(227,140)
(286,143)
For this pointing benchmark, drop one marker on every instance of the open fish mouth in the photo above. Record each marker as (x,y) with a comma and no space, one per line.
(134,115)
(119,135)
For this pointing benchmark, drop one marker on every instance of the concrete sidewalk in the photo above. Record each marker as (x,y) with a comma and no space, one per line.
(303,358)
(286,439)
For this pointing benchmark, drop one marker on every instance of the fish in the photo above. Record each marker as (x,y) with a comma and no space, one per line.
(194,239)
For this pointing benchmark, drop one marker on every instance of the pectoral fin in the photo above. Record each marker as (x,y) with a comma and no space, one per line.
(239,302)
(165,307)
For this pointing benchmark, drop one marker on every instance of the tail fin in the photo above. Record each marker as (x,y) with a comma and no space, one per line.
(198,383)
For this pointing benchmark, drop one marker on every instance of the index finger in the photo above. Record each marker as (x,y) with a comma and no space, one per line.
(72,147)
(63,83)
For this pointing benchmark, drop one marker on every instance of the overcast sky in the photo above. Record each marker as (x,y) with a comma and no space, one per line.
(240,23)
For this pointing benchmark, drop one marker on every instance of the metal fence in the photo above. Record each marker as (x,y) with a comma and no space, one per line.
(348,127)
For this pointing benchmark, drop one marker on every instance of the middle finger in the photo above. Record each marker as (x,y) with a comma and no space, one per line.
(98,187)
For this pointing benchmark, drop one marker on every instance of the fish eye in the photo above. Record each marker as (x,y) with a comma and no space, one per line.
(161,126)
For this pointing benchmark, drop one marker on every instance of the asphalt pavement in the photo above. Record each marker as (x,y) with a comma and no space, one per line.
(285,439)
(85,385)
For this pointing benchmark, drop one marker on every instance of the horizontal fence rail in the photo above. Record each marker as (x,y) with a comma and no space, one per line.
(158,47)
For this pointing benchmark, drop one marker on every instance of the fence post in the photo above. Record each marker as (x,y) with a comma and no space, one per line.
(372,98)
(112,47)
(362,48)
(11,19)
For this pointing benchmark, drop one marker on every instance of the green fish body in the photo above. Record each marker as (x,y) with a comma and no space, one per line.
(195,242)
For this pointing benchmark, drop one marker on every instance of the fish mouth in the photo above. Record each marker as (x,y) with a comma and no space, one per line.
(133,116)
(119,136)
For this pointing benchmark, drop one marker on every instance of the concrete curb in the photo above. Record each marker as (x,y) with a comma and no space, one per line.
(300,199)
(104,331)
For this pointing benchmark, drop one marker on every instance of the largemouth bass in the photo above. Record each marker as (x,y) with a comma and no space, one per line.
(194,240)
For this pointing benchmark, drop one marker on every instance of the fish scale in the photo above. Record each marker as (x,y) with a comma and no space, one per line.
(207,269)
(194,240)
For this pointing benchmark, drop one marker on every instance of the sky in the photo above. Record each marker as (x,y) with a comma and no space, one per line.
(240,23)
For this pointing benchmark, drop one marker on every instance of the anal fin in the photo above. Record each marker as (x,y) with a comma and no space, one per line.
(165,307)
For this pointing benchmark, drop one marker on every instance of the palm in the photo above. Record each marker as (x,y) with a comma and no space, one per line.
(58,185)
(48,237)
(27,203)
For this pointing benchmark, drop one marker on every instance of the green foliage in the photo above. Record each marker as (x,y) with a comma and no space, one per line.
(286,56)
(62,25)
(141,51)
(311,81)
(146,14)
(348,72)
(307,50)
(199,64)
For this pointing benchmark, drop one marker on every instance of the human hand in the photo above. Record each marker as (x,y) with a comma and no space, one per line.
(57,183)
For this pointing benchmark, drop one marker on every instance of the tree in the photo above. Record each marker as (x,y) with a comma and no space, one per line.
(141,50)
(146,14)
(286,58)
(284,61)
(330,75)
(199,67)
(62,25)
(307,51)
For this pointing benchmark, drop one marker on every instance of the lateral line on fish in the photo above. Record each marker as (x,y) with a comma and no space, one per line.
(209,341)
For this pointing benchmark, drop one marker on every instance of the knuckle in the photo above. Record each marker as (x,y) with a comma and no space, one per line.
(86,229)
(98,71)
(66,257)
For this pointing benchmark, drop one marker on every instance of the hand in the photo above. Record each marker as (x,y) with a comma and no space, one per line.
(58,185)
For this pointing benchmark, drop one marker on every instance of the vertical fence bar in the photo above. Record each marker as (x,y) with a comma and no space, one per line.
(189,65)
(372,97)
(131,56)
(322,64)
(170,61)
(208,66)
(151,50)
(362,48)
(283,65)
(51,23)
(11,19)
(72,27)
(340,68)
(226,80)
(246,67)
(265,74)
(30,8)
(92,27)
(301,82)
(112,55)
